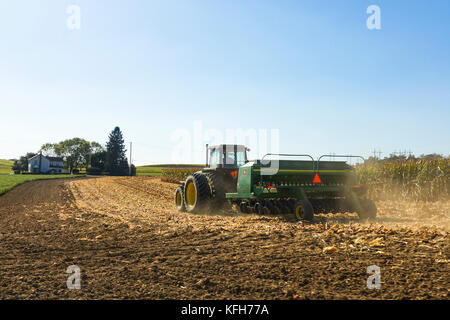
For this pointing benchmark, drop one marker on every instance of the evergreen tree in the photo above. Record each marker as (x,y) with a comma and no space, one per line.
(116,160)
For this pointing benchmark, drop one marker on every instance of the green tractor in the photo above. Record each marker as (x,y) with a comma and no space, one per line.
(273,186)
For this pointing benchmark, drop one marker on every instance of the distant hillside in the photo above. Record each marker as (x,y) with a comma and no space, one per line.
(5,166)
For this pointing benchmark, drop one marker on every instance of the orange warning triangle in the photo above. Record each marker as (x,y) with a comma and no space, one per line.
(317,179)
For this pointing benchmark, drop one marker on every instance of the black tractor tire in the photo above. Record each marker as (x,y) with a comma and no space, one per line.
(217,190)
(179,199)
(304,211)
(275,209)
(291,205)
(244,208)
(368,209)
(258,208)
(270,206)
(283,205)
(197,193)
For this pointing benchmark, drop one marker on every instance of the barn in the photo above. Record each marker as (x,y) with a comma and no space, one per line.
(45,164)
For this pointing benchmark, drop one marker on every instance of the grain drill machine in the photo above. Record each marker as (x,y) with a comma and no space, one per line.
(274,186)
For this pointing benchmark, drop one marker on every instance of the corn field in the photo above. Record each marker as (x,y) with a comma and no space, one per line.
(176,175)
(412,180)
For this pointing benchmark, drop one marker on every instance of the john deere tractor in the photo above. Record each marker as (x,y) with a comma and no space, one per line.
(273,186)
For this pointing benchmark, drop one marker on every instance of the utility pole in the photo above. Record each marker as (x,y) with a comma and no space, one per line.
(410,153)
(131,145)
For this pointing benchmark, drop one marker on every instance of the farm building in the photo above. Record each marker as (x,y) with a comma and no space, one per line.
(45,164)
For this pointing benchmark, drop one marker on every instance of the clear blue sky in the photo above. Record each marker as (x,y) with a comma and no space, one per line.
(311,69)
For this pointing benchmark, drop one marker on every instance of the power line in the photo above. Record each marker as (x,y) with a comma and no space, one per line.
(377,153)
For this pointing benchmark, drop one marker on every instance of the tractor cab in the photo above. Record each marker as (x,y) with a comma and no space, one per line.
(226,156)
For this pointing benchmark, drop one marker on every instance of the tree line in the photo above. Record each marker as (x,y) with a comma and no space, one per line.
(403,157)
(78,153)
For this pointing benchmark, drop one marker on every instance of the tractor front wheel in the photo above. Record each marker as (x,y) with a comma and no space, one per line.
(304,210)
(179,199)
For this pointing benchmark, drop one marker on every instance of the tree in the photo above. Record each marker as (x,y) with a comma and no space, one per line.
(133,170)
(96,147)
(16,167)
(98,160)
(116,161)
(431,156)
(71,150)
(21,165)
(97,156)
(85,150)
(49,149)
(76,152)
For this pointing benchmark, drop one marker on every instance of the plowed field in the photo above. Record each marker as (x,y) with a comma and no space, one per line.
(129,242)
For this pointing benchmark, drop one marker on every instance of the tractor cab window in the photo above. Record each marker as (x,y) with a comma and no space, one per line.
(240,158)
(229,158)
(215,158)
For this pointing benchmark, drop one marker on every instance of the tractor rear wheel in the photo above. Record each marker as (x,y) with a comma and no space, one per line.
(304,210)
(196,193)
(179,199)
(368,209)
(217,188)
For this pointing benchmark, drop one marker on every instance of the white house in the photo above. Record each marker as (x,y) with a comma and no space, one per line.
(43,164)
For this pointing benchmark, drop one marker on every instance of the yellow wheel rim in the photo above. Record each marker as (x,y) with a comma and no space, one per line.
(178,199)
(191,194)
(299,212)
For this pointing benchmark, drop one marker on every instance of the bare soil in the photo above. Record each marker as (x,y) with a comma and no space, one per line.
(130,243)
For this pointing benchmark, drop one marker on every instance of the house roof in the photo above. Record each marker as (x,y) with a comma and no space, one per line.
(34,156)
(54,159)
